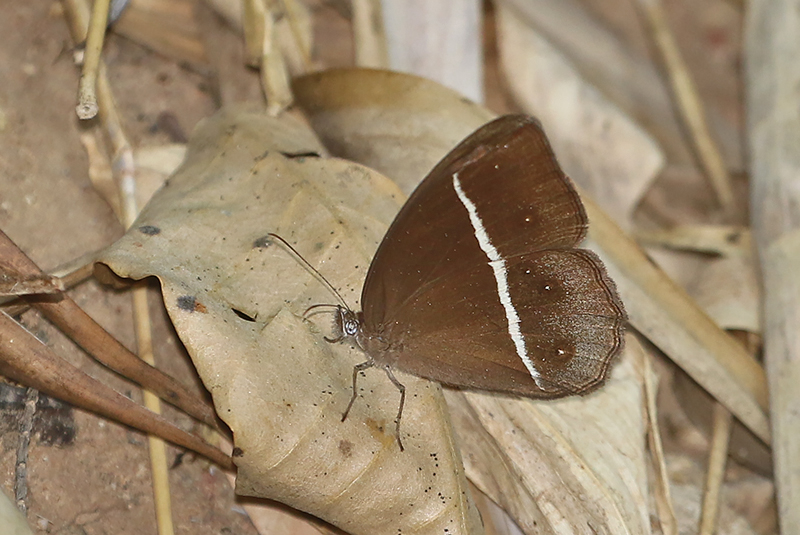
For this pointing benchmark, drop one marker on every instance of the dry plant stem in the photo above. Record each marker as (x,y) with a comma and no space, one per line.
(253,23)
(76,324)
(73,273)
(158,450)
(717,459)
(743,390)
(772,72)
(369,34)
(87,98)
(718,454)
(726,240)
(11,284)
(629,80)
(71,319)
(68,276)
(263,52)
(124,171)
(25,359)
(21,470)
(664,505)
(292,10)
(274,75)
(126,182)
(689,104)
(122,163)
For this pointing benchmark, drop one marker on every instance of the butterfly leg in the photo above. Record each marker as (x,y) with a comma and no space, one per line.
(402,388)
(356,370)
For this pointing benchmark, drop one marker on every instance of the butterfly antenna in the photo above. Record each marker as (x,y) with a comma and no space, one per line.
(311,269)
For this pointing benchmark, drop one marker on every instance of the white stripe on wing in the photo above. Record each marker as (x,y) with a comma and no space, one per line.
(501,276)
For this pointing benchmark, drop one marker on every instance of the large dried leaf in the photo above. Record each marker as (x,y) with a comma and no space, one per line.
(398,124)
(600,147)
(580,454)
(237,306)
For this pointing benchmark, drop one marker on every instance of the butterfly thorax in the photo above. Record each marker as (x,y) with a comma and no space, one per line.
(377,346)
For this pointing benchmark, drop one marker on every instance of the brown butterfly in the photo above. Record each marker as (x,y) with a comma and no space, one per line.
(478,283)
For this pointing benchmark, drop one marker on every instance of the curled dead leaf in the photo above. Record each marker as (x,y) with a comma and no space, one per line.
(237,304)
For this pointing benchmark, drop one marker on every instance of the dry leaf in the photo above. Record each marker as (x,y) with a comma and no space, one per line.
(237,306)
(594,140)
(398,124)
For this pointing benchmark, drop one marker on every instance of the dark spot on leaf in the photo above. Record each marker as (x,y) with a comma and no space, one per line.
(262,242)
(237,452)
(150,230)
(262,156)
(346,448)
(245,317)
(190,304)
(186,302)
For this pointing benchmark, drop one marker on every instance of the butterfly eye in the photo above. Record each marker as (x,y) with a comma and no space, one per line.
(350,327)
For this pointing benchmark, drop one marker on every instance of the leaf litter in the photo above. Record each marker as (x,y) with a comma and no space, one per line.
(238,305)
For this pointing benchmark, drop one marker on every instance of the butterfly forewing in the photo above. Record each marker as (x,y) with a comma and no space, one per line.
(507,164)
(477,282)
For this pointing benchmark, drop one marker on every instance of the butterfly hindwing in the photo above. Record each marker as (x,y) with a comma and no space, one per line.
(470,346)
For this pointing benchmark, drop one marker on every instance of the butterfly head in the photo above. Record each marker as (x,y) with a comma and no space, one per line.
(347,322)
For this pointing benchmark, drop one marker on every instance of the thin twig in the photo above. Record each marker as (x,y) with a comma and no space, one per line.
(274,75)
(12,286)
(263,51)
(689,104)
(158,450)
(369,34)
(664,505)
(772,78)
(717,459)
(87,98)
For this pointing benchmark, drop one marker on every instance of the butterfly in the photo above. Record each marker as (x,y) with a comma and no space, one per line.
(479,282)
